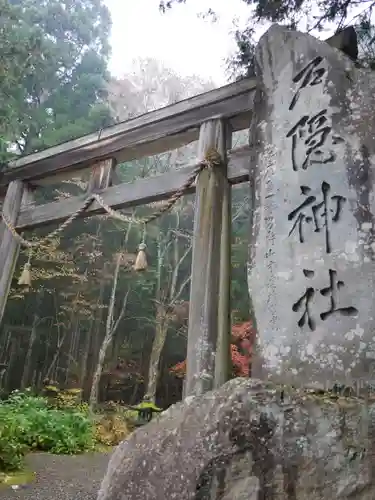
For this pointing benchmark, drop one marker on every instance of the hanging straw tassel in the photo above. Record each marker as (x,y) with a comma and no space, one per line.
(25,278)
(141,260)
(140,263)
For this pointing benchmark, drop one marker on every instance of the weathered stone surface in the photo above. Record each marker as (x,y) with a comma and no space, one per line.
(311,265)
(299,447)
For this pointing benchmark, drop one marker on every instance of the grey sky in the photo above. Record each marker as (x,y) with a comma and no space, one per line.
(179,38)
(184,42)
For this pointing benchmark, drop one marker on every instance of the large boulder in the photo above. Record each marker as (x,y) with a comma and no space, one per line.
(249,440)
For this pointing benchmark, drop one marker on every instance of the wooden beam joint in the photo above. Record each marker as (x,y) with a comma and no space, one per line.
(101,176)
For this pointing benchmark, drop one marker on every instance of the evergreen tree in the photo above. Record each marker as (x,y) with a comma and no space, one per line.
(54,54)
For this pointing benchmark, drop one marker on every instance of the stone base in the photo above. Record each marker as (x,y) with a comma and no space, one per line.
(247,440)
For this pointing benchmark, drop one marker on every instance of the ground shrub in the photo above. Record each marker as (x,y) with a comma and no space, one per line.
(12,450)
(28,422)
(111,430)
(56,422)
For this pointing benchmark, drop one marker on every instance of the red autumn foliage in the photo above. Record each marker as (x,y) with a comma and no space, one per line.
(243,338)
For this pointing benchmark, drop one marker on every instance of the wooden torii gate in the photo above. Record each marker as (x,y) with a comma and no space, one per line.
(211,118)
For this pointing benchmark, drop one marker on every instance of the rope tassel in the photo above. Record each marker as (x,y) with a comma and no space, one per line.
(141,260)
(25,278)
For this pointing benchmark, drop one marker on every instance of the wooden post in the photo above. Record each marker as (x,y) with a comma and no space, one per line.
(16,195)
(223,361)
(1,225)
(101,175)
(204,292)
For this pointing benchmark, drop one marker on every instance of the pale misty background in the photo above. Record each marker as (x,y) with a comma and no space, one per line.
(180,39)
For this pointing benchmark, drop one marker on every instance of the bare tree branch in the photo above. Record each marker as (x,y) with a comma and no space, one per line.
(181,289)
(241,209)
(182,234)
(176,255)
(113,297)
(175,296)
(110,329)
(122,312)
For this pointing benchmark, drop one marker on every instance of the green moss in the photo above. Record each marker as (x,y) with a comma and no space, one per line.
(52,388)
(16,478)
(103,448)
(147,404)
(73,391)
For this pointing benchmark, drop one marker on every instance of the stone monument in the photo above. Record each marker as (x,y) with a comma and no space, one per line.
(311,265)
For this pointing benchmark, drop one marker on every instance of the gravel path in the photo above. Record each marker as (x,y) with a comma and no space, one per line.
(60,477)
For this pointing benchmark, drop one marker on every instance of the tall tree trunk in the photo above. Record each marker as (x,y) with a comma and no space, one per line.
(98,371)
(89,332)
(56,355)
(165,300)
(33,335)
(12,356)
(110,327)
(28,359)
(70,359)
(85,354)
(91,335)
(157,348)
(109,333)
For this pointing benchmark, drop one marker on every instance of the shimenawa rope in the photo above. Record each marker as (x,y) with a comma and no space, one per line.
(212,159)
